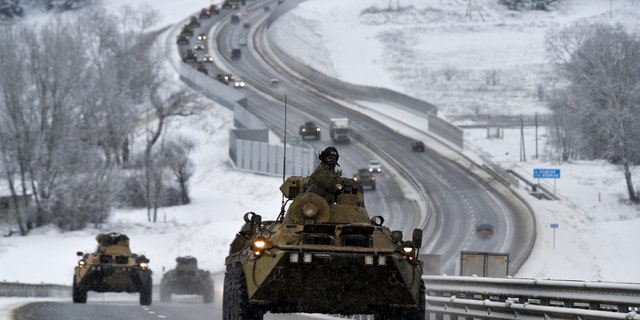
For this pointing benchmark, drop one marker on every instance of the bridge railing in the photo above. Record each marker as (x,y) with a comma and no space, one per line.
(16,289)
(453,297)
(509,298)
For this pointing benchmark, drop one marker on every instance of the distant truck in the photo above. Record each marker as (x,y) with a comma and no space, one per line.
(484,264)
(235,19)
(236,53)
(339,130)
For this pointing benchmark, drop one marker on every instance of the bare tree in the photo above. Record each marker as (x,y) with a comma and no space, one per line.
(125,66)
(15,123)
(176,154)
(65,126)
(163,108)
(53,111)
(564,137)
(600,64)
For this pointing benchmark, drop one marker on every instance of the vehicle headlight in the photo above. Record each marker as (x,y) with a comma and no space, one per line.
(259,244)
(408,248)
(310,210)
(81,263)
(143,265)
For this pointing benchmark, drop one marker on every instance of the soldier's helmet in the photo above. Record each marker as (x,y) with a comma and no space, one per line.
(329,156)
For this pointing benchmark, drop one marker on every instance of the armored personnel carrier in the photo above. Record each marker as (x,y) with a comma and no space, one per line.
(323,257)
(112,268)
(190,55)
(310,129)
(186,278)
(182,39)
(365,178)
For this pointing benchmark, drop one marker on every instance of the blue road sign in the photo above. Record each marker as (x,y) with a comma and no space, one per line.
(546,173)
(554,225)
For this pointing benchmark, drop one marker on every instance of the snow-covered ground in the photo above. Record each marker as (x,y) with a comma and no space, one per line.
(433,50)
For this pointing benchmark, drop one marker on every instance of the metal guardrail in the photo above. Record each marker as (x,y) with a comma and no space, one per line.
(16,289)
(508,298)
(480,298)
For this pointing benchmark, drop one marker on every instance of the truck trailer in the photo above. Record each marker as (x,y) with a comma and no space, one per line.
(339,130)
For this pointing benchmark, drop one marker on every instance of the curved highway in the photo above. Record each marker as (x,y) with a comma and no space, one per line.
(460,198)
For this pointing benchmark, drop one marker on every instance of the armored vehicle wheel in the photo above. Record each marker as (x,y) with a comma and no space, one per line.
(79,294)
(417,313)
(236,305)
(207,295)
(226,294)
(165,294)
(146,292)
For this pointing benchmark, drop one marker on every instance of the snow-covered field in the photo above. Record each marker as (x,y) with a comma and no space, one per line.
(489,61)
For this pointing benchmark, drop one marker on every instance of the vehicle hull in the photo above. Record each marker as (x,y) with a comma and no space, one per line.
(187,285)
(355,287)
(109,278)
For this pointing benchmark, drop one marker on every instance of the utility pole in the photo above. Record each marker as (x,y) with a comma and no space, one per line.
(523,155)
(536,126)
(470,5)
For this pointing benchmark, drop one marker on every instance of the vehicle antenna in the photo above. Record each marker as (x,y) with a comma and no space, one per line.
(284,158)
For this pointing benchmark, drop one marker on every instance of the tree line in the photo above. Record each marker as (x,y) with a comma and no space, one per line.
(596,102)
(84,107)
(16,9)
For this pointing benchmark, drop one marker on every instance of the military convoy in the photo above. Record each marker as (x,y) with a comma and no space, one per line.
(187,278)
(225,78)
(310,129)
(190,55)
(321,257)
(187,30)
(365,178)
(202,67)
(182,39)
(205,13)
(194,22)
(112,268)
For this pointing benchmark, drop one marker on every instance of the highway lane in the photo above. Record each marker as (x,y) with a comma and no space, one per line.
(268,103)
(122,307)
(461,200)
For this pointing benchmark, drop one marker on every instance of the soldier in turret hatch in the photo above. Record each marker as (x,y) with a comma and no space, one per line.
(325,178)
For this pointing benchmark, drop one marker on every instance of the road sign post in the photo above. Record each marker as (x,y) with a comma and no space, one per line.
(547,174)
